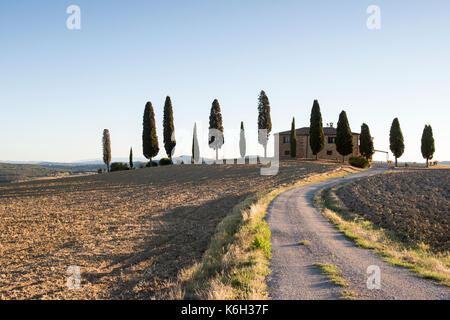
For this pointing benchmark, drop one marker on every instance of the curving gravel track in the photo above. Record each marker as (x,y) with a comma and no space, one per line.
(293,218)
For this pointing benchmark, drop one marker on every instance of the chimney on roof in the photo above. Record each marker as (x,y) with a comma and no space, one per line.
(331,124)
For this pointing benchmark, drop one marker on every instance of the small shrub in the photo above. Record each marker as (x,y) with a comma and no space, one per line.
(165,162)
(119,166)
(100,171)
(262,239)
(359,162)
(151,164)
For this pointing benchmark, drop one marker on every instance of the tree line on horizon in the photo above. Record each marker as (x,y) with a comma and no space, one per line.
(344,136)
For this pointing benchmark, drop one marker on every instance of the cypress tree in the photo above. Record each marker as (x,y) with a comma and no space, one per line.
(149,138)
(242,142)
(264,120)
(215,122)
(293,139)
(366,143)
(169,129)
(344,137)
(427,146)
(396,143)
(316,135)
(106,148)
(131,159)
(195,147)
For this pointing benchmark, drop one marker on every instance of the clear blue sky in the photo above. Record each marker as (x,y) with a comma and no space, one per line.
(60,88)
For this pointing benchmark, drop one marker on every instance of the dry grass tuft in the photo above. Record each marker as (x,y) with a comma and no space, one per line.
(332,272)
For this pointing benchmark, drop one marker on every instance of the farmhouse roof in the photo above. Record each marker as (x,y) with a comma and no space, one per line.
(328,131)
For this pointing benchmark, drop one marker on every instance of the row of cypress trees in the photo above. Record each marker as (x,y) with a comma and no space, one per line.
(150,143)
(397,145)
(215,139)
(344,137)
(149,137)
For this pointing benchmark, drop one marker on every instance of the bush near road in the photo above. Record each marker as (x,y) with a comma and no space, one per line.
(359,162)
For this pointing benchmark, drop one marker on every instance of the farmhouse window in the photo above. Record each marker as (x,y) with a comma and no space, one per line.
(286,153)
(329,152)
(331,140)
(286,139)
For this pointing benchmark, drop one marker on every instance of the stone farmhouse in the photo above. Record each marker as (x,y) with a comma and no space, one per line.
(304,150)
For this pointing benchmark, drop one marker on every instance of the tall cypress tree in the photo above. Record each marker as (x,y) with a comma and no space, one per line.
(316,135)
(396,143)
(169,129)
(293,139)
(216,140)
(366,142)
(344,137)
(264,120)
(106,148)
(131,159)
(195,147)
(427,146)
(242,142)
(149,138)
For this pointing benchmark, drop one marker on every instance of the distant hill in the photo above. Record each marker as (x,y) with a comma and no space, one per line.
(444,162)
(100,161)
(10,172)
(75,167)
(14,172)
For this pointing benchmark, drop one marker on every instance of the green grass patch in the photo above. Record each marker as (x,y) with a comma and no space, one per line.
(332,272)
(237,261)
(262,239)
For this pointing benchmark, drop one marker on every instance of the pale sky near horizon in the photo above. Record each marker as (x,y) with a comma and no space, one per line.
(60,88)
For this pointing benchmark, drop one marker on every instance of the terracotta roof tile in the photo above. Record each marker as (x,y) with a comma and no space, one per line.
(328,131)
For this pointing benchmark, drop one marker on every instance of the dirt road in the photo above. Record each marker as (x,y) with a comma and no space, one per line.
(293,218)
